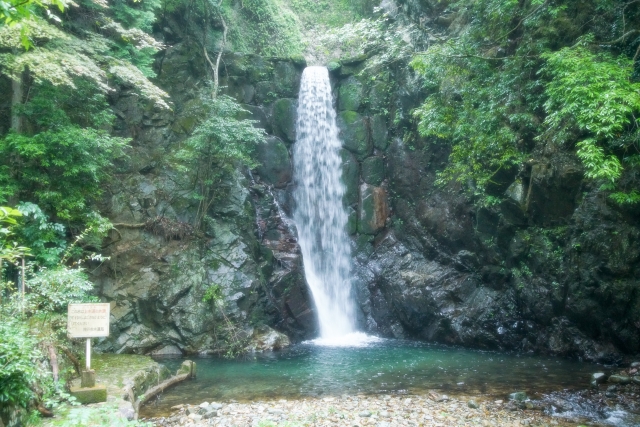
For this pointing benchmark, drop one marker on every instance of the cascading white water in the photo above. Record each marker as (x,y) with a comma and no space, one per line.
(319,215)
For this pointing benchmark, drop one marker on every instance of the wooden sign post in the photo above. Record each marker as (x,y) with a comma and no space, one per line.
(88,321)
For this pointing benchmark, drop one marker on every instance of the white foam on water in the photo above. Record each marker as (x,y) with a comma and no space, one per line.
(354,339)
(622,419)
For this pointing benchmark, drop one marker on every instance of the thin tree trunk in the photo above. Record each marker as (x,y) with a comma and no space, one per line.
(16,99)
(216,70)
(53,360)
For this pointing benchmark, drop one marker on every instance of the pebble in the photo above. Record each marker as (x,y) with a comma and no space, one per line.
(360,411)
(619,379)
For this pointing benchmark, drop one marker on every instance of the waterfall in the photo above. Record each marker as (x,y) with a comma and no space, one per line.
(319,214)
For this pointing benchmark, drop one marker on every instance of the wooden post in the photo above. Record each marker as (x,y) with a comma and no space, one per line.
(22,291)
(88,365)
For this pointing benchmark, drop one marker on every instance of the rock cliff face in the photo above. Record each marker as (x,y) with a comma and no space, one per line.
(160,270)
(552,268)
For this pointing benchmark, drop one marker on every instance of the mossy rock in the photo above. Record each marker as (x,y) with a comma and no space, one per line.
(355,60)
(275,163)
(350,177)
(353,132)
(257,114)
(286,80)
(184,124)
(259,69)
(373,170)
(89,395)
(299,60)
(284,119)
(364,246)
(333,66)
(265,92)
(379,96)
(379,132)
(352,221)
(350,94)
(188,117)
(235,88)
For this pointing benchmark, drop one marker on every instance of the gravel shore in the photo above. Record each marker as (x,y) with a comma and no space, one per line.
(381,411)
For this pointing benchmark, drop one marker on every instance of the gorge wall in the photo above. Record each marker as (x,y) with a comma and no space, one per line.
(553,267)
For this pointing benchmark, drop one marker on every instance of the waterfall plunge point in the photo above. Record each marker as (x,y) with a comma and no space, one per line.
(319,214)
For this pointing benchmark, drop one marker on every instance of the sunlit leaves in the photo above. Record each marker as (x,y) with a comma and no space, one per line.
(598,165)
(129,74)
(62,169)
(54,66)
(593,89)
(13,11)
(591,93)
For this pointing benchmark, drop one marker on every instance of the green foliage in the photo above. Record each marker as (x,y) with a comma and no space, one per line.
(24,379)
(263,27)
(61,168)
(132,43)
(591,94)
(17,13)
(19,373)
(9,248)
(591,91)
(62,164)
(45,240)
(14,11)
(136,14)
(509,83)
(62,59)
(52,289)
(219,145)
(623,198)
(389,41)
(214,294)
(476,107)
(331,14)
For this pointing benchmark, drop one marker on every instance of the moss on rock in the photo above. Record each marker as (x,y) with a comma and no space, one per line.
(353,132)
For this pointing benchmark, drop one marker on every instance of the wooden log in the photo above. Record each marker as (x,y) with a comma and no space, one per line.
(160,388)
(44,411)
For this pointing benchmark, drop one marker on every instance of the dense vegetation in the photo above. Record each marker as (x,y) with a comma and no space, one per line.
(58,151)
(505,81)
(523,78)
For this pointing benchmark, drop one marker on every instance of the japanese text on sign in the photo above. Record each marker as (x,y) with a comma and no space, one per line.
(88,320)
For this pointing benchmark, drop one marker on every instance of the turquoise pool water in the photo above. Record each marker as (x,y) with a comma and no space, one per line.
(385,366)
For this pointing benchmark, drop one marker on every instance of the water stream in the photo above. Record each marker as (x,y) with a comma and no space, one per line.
(319,214)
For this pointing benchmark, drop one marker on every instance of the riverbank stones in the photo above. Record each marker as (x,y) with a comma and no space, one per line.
(619,379)
(359,410)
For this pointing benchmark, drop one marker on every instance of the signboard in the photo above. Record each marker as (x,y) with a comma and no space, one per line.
(88,320)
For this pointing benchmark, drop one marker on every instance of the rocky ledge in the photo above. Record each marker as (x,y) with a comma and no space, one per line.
(381,411)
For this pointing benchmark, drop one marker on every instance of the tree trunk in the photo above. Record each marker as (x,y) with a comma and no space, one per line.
(16,99)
